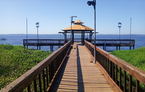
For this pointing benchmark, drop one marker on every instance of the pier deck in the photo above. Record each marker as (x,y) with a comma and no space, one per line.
(80,75)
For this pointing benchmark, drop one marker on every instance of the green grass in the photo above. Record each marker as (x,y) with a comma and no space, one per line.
(15,61)
(135,57)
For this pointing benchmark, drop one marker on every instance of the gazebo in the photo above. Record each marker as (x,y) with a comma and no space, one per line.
(78,28)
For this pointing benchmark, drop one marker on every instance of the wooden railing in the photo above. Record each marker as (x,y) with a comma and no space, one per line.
(43,41)
(126,76)
(41,76)
(114,41)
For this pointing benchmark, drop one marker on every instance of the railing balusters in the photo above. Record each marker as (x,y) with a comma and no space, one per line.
(29,89)
(108,66)
(113,71)
(39,77)
(47,76)
(137,85)
(124,81)
(119,77)
(44,86)
(40,83)
(35,85)
(144,88)
(116,74)
(130,83)
(118,70)
(50,72)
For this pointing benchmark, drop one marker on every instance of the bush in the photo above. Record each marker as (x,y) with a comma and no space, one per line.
(15,61)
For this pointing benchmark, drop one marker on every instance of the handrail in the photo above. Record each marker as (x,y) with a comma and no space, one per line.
(40,76)
(115,41)
(121,72)
(30,41)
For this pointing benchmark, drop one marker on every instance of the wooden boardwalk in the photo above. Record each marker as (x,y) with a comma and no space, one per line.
(79,75)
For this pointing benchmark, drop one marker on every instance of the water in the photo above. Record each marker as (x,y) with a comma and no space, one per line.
(17,39)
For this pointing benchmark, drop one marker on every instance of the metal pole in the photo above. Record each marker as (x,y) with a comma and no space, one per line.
(95,32)
(37,33)
(130,27)
(119,33)
(71,29)
(26,29)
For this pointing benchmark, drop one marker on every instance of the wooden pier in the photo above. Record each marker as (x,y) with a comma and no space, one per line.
(70,68)
(44,42)
(60,42)
(80,75)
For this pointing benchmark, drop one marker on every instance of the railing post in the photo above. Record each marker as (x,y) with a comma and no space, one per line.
(119,77)
(137,85)
(124,81)
(108,66)
(116,74)
(113,71)
(130,83)
(40,83)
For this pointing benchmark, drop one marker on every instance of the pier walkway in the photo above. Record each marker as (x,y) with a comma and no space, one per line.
(79,74)
(70,68)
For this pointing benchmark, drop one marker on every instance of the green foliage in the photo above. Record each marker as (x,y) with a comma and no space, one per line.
(15,61)
(135,57)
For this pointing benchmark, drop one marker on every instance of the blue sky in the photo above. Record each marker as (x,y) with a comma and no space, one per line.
(54,15)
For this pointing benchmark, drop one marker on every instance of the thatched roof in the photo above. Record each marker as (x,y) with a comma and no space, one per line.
(78,27)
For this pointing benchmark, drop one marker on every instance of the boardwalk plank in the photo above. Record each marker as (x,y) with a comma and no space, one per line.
(80,75)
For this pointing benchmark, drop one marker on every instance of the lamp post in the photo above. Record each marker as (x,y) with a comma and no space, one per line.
(26,28)
(37,26)
(119,25)
(71,29)
(93,3)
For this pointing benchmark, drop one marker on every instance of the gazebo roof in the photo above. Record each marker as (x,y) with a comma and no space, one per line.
(78,27)
(78,21)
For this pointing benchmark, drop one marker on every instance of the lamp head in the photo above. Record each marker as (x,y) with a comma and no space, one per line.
(119,24)
(73,16)
(37,24)
(91,3)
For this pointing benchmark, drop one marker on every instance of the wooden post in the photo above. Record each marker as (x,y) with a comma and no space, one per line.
(90,36)
(83,37)
(51,48)
(65,37)
(37,47)
(72,37)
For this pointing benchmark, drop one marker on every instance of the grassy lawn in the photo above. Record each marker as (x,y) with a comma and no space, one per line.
(135,57)
(15,61)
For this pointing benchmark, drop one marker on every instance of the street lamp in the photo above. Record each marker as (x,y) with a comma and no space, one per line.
(93,3)
(71,28)
(37,26)
(119,25)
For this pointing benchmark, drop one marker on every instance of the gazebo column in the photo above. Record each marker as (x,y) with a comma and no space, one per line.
(72,37)
(90,36)
(65,37)
(82,37)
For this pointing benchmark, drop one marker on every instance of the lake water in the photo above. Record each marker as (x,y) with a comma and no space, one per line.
(17,39)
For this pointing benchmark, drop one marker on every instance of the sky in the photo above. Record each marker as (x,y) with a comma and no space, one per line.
(54,15)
